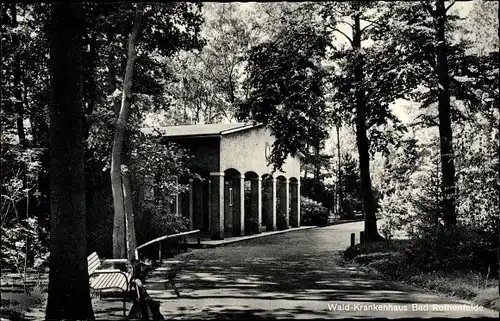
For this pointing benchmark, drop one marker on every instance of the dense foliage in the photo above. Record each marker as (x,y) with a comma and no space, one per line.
(312,213)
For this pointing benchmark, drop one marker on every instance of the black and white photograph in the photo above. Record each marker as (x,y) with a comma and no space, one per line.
(250,160)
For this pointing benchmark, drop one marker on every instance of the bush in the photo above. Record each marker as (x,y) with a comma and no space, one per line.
(157,221)
(312,213)
(281,220)
(453,249)
(23,247)
(251,226)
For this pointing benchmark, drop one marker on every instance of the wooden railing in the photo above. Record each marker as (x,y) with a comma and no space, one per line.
(162,238)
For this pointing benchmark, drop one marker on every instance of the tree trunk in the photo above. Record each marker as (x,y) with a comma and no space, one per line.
(371,231)
(498,149)
(317,163)
(128,203)
(339,183)
(445,131)
(68,290)
(90,88)
(18,92)
(18,95)
(119,234)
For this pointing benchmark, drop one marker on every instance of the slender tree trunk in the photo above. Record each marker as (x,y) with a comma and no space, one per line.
(129,207)
(18,92)
(18,95)
(68,290)
(445,131)
(371,231)
(119,233)
(317,164)
(340,185)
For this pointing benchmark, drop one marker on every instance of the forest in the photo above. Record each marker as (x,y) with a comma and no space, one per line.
(395,106)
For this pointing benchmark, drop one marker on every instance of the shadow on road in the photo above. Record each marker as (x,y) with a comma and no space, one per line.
(290,275)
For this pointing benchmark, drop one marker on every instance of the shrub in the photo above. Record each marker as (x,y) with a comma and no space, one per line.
(312,213)
(22,247)
(157,221)
(281,220)
(251,226)
(452,249)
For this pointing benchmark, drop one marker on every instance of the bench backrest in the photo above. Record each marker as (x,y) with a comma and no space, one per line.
(93,262)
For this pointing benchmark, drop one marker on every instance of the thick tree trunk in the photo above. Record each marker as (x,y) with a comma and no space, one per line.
(445,131)
(119,233)
(90,88)
(90,94)
(68,291)
(498,150)
(371,231)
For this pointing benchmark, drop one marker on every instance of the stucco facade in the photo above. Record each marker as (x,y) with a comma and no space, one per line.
(238,193)
(246,152)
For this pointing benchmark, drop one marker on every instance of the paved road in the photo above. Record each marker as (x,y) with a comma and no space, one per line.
(292,275)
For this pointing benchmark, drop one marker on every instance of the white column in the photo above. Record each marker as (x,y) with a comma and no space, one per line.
(285,199)
(271,204)
(239,206)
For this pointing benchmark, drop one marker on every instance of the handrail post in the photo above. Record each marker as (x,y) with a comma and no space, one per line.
(198,237)
(159,252)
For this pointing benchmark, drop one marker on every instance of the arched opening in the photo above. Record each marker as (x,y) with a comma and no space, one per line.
(294,197)
(282,203)
(253,203)
(269,202)
(233,209)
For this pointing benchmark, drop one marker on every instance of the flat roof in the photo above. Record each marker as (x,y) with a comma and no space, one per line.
(198,130)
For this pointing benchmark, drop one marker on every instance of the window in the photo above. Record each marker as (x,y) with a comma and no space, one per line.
(231,196)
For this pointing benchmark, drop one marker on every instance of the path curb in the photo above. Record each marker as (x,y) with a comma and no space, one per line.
(218,243)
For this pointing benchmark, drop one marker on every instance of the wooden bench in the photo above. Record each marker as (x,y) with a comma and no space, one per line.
(109,279)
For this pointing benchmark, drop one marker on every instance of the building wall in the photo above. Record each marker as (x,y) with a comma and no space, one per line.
(205,152)
(245,151)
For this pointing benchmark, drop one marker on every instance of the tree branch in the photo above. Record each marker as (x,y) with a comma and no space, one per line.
(366,27)
(340,31)
(347,23)
(449,6)
(428,6)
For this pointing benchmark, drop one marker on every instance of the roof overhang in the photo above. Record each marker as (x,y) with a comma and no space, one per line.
(157,132)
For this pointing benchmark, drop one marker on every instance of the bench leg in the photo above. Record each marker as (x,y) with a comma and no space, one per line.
(172,283)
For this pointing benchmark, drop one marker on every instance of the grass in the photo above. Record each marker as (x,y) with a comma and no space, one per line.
(391,264)
(14,305)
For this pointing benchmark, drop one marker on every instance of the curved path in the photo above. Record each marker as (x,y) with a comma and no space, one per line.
(292,275)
